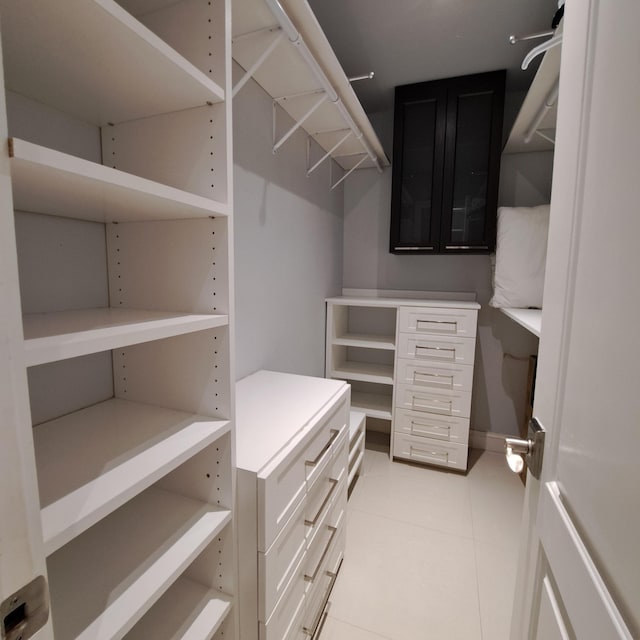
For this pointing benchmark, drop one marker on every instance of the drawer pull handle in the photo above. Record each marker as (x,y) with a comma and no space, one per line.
(314,575)
(334,483)
(443,353)
(321,616)
(421,453)
(430,429)
(314,462)
(437,406)
(427,325)
(434,379)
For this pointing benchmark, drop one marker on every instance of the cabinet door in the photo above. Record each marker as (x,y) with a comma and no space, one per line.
(472,159)
(418,157)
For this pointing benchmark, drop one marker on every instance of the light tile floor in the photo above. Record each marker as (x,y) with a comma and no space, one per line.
(430,554)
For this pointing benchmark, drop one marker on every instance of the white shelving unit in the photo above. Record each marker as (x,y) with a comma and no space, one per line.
(127,255)
(530,319)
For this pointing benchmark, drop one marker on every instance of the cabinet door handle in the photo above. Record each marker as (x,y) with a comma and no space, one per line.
(334,483)
(314,462)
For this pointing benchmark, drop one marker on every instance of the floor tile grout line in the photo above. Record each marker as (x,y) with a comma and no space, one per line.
(357,626)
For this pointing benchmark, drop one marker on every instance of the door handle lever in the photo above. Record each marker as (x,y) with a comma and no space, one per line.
(530,451)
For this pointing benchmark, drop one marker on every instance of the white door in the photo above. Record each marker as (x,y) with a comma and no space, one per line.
(21,551)
(579,573)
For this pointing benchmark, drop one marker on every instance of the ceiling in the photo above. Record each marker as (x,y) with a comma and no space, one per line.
(405,41)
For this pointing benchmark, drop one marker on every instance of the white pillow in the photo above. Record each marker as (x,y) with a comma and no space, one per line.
(521,253)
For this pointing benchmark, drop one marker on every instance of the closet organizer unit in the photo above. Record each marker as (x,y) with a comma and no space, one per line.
(409,361)
(125,277)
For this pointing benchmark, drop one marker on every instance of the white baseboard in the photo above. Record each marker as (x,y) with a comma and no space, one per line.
(487,440)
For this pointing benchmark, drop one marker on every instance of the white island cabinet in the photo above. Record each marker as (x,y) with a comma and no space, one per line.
(292,453)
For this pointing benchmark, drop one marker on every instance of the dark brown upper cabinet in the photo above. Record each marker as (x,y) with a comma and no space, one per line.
(447,139)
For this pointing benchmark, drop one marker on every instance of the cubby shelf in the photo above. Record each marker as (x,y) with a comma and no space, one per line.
(371,404)
(92,461)
(364,372)
(187,611)
(92,59)
(54,183)
(106,579)
(67,334)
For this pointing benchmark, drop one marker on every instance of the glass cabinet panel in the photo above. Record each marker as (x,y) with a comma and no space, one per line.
(447,138)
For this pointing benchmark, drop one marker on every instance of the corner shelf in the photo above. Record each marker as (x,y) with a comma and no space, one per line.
(67,334)
(371,404)
(92,461)
(54,183)
(530,319)
(366,341)
(364,372)
(92,59)
(144,546)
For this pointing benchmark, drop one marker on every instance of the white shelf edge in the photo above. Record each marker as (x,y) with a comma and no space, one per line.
(364,372)
(151,442)
(102,596)
(51,182)
(386,343)
(187,611)
(530,319)
(68,334)
(88,82)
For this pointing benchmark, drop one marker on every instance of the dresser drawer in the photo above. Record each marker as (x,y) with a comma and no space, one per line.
(450,377)
(437,348)
(421,400)
(276,567)
(319,547)
(426,450)
(323,499)
(426,425)
(283,484)
(288,618)
(448,322)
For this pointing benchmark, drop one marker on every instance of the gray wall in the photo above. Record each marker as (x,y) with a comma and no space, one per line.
(288,244)
(503,347)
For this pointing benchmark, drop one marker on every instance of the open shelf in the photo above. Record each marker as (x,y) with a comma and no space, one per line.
(364,372)
(92,461)
(530,319)
(371,404)
(366,341)
(50,182)
(188,611)
(92,59)
(67,334)
(106,579)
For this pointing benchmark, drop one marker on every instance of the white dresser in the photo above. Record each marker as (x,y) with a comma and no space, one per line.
(292,453)
(409,361)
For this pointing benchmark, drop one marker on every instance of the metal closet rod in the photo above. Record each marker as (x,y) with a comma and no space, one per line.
(296,39)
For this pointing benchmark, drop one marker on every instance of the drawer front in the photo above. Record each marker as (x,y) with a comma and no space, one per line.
(437,349)
(283,486)
(447,322)
(276,567)
(450,377)
(447,403)
(318,596)
(436,427)
(428,451)
(287,620)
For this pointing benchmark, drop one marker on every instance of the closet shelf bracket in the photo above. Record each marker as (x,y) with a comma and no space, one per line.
(276,145)
(310,170)
(348,173)
(261,59)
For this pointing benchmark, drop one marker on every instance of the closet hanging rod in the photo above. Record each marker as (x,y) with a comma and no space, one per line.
(513,39)
(296,39)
